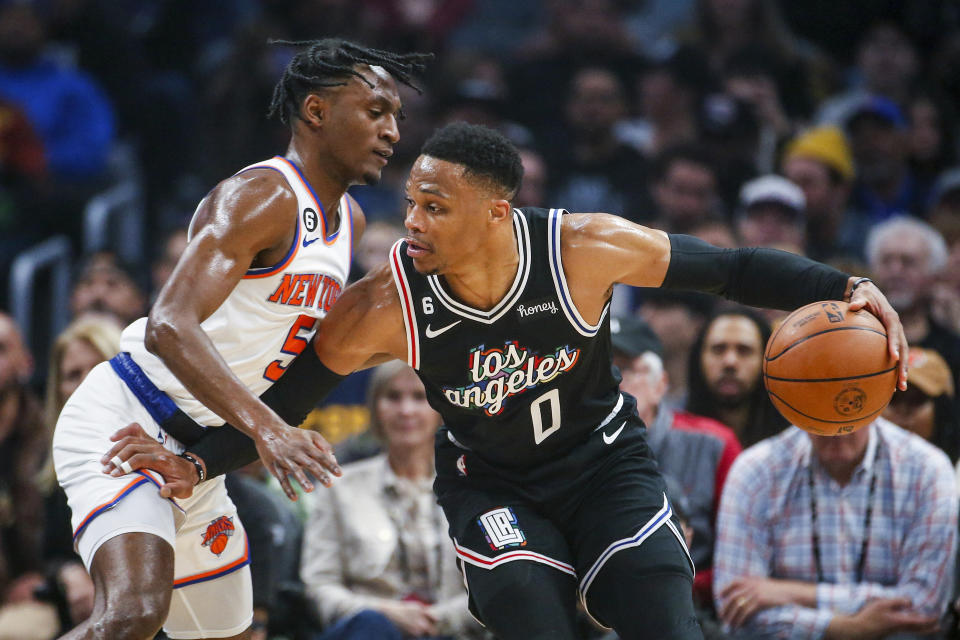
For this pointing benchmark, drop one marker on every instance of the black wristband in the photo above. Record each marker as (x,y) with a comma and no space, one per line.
(306,382)
(196,463)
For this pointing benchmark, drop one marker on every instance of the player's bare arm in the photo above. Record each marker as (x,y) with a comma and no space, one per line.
(365,328)
(248,221)
(599,250)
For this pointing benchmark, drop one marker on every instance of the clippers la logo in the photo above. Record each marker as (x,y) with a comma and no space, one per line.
(218,534)
(497,374)
(500,529)
(306,290)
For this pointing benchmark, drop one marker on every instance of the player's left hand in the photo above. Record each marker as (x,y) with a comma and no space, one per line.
(868,296)
(137,450)
(746,596)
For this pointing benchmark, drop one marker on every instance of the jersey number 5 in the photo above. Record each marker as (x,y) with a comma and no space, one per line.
(293,345)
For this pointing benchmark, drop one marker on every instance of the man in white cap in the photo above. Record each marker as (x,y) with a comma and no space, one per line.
(771,214)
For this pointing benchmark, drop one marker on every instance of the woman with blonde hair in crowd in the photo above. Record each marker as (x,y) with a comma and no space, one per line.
(377,561)
(86,342)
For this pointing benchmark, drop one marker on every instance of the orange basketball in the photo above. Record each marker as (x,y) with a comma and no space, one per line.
(828,370)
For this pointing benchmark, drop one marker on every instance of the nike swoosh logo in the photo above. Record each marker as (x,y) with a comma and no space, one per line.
(307,243)
(430,333)
(608,438)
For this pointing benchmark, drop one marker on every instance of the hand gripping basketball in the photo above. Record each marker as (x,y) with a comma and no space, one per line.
(830,369)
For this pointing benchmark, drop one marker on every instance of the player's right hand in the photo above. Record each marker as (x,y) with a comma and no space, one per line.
(138,450)
(290,451)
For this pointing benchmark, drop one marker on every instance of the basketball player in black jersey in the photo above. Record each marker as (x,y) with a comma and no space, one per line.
(543,471)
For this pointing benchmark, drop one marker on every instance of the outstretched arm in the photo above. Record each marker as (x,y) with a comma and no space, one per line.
(364,328)
(600,250)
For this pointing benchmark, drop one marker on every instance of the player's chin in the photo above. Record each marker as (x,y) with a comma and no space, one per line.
(372,177)
(424,268)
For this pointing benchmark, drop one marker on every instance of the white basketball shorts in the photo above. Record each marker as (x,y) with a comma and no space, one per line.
(212,593)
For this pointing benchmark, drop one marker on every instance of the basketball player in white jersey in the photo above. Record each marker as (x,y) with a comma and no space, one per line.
(269,253)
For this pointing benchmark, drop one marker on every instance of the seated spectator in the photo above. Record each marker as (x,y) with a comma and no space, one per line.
(836,537)
(667,95)
(724,375)
(695,451)
(887,64)
(819,161)
(533,188)
(174,244)
(885,185)
(771,214)
(105,285)
(23,448)
(906,256)
(53,95)
(85,343)
(927,406)
(685,189)
(590,168)
(677,318)
(376,559)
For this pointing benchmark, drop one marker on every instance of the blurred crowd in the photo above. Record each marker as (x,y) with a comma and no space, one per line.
(827,129)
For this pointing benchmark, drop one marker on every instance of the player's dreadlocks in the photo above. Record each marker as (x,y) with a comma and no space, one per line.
(329,63)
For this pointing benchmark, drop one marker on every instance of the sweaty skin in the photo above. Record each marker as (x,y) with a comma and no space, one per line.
(462,228)
(343,137)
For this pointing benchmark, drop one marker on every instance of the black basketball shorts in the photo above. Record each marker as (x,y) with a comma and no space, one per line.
(573,514)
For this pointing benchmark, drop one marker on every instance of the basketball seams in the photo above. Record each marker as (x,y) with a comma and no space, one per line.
(801,413)
(820,333)
(858,377)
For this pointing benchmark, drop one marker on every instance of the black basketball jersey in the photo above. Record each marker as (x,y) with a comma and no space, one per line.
(525,381)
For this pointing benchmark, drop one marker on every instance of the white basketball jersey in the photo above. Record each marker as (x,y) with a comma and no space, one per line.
(270,316)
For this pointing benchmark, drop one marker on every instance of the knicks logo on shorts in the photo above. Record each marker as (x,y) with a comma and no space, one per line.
(217,534)
(500,529)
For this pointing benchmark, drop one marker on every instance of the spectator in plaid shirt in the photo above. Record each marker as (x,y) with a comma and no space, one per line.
(836,537)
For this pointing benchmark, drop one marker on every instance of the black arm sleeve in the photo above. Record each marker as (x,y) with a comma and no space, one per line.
(754,276)
(306,382)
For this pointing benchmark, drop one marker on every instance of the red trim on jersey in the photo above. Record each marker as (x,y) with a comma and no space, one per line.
(406,302)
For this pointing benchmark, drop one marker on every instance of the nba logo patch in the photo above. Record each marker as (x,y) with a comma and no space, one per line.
(218,534)
(832,309)
(462,465)
(500,529)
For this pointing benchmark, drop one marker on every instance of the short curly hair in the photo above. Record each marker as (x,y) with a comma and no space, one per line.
(484,153)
